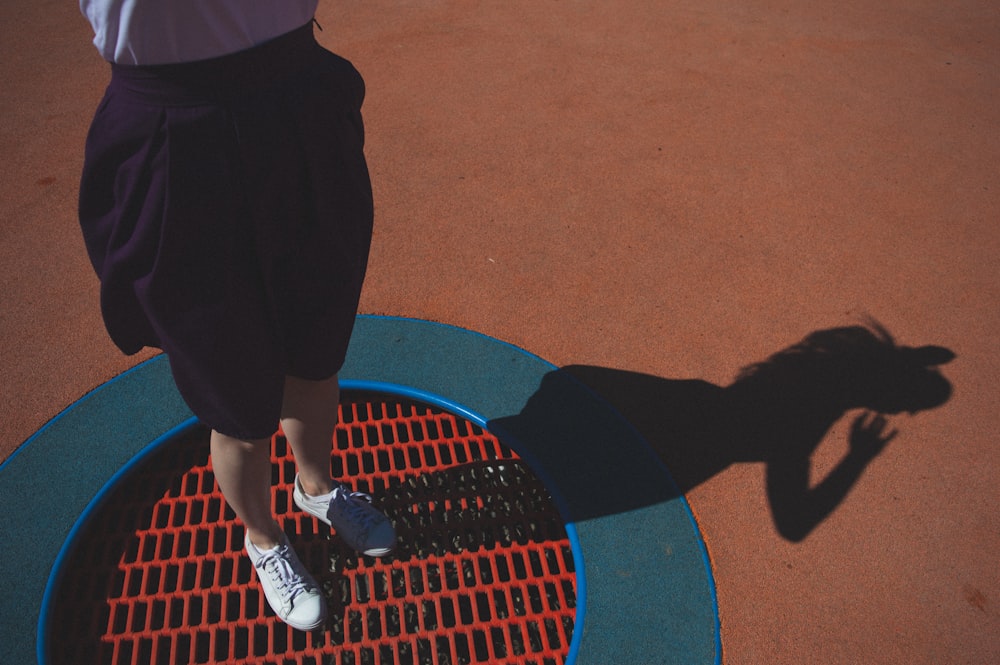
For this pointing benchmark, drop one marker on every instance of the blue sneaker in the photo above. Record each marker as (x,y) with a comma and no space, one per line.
(352,516)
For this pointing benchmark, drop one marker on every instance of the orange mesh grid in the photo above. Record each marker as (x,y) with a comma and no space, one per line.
(483,572)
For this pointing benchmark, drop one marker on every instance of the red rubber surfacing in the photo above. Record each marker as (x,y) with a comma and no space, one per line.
(483,572)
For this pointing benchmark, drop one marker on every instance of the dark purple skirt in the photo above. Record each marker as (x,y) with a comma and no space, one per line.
(227,209)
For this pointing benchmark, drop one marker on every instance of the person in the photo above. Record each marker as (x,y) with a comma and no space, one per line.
(226,207)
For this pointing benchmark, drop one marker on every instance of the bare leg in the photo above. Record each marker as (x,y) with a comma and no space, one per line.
(243,470)
(308,418)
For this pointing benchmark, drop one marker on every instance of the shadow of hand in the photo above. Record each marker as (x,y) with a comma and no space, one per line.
(869,435)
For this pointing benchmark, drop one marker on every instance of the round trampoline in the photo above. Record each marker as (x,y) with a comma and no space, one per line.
(536,526)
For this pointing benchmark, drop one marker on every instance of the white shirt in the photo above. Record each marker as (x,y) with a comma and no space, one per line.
(155,32)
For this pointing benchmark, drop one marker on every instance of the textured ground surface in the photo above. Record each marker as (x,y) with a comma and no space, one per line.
(670,190)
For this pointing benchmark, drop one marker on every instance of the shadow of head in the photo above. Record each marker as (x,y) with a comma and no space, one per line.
(854,367)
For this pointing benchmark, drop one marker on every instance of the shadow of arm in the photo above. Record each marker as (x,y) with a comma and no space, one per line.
(796,508)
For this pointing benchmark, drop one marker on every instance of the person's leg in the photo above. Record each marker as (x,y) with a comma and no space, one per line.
(243,471)
(308,418)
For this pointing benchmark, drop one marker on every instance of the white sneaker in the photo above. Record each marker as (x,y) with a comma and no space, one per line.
(352,516)
(290,591)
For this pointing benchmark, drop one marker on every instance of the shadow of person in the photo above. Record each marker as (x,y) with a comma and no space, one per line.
(779,410)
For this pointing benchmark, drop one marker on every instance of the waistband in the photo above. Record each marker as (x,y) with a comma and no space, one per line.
(226,78)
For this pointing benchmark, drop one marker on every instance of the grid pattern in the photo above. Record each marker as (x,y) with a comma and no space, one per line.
(483,572)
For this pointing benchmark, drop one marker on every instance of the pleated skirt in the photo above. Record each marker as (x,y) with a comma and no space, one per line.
(227,209)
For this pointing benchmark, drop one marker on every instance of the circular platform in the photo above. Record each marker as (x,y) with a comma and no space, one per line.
(644,590)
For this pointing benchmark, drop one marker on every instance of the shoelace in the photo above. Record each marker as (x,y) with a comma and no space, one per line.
(356,510)
(279,568)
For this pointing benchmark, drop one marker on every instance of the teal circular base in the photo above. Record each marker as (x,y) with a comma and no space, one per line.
(646,593)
